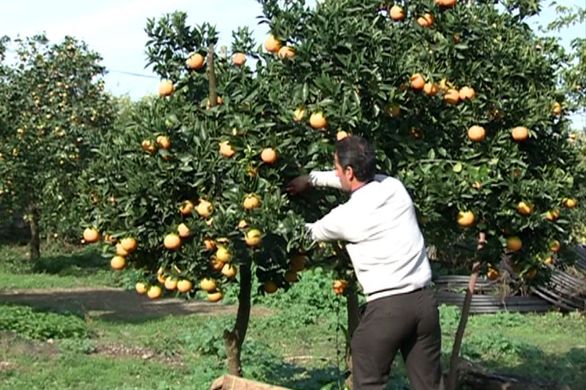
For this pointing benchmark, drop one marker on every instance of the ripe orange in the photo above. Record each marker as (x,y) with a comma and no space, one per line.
(514,243)
(340,135)
(397,13)
(430,89)
(520,133)
(91,235)
(154,292)
(166,88)
(270,287)
(476,133)
(209,244)
(164,142)
(184,286)
(120,251)
(186,207)
(251,201)
(129,244)
(229,271)
(226,149)
(204,208)
(548,260)
(466,93)
(223,254)
(141,288)
(452,96)
(570,203)
(446,3)
(272,44)
(172,241)
(208,284)
(195,61)
(317,120)
(525,208)
(552,215)
(417,82)
(269,155)
(183,230)
(238,59)
(215,296)
(216,264)
(299,114)
(118,262)
(242,224)
(492,274)
(466,218)
(339,286)
(286,52)
(556,109)
(426,20)
(148,146)
(170,283)
(253,237)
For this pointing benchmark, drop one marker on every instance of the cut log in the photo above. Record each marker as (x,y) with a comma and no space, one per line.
(231,382)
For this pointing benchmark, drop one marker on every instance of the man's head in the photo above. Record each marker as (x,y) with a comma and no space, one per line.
(355,162)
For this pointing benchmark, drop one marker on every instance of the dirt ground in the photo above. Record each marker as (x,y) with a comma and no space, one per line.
(113,303)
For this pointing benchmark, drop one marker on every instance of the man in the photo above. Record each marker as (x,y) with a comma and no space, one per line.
(387,250)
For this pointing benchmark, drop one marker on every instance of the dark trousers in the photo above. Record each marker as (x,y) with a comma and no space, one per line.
(406,322)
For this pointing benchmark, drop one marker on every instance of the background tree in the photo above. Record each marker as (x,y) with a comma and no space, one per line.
(54,105)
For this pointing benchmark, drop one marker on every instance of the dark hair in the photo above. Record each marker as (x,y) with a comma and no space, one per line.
(356,152)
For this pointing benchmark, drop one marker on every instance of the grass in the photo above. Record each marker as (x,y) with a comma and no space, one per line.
(300,345)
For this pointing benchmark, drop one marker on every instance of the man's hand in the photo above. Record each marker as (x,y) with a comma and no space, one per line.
(298,185)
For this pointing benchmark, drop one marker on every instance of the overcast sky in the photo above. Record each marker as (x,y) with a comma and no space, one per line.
(115,29)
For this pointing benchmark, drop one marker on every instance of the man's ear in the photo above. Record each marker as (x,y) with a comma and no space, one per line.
(349,173)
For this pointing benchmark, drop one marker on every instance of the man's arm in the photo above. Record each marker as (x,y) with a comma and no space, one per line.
(328,228)
(314,179)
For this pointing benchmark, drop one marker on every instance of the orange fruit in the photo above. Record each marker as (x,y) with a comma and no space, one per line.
(226,149)
(426,20)
(291,276)
(552,215)
(340,135)
(204,208)
(238,59)
(339,286)
(394,110)
(215,296)
(91,235)
(555,246)
(556,109)
(195,61)
(118,262)
(120,251)
(476,133)
(297,262)
(272,44)
(229,271)
(186,207)
(253,237)
(242,224)
(269,155)
(492,274)
(466,218)
(270,287)
(166,88)
(154,292)
(148,146)
(223,254)
(129,244)
(570,203)
(208,284)
(548,260)
(524,208)
(172,241)
(209,244)
(446,3)
(286,52)
(417,82)
(452,96)
(171,283)
(299,114)
(466,93)
(216,264)
(520,133)
(251,201)
(514,243)
(141,288)
(317,120)
(397,13)
(430,89)
(184,286)
(164,142)
(183,230)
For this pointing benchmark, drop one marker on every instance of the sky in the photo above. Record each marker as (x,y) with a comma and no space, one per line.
(115,29)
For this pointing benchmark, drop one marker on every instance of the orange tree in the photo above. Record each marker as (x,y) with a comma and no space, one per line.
(463,102)
(53,105)
(191,192)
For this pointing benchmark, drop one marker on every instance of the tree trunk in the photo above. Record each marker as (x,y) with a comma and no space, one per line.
(454,359)
(213,92)
(35,242)
(234,339)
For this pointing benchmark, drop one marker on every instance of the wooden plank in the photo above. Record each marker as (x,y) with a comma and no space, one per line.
(231,382)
